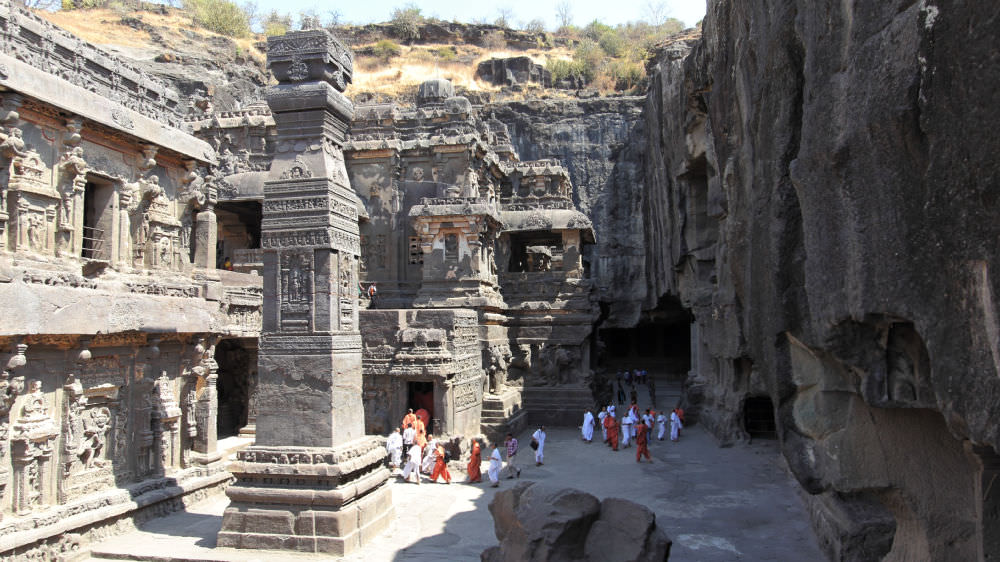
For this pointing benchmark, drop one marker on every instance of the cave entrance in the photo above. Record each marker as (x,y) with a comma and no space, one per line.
(420,394)
(659,343)
(758,418)
(991,502)
(239,235)
(237,359)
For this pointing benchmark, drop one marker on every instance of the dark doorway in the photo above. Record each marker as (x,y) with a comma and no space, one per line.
(237,368)
(421,395)
(659,343)
(758,418)
(98,218)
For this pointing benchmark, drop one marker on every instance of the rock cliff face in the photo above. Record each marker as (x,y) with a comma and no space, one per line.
(601,142)
(820,190)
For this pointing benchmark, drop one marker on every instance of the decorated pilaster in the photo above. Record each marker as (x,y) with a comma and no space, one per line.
(312,482)
(10,387)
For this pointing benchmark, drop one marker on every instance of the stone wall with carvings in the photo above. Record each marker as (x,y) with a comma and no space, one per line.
(438,346)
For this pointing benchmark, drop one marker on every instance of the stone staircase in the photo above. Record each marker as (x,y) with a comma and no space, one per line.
(557,405)
(503,414)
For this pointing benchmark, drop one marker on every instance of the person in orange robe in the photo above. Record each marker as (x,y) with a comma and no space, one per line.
(474,463)
(642,443)
(421,437)
(440,467)
(409,418)
(611,424)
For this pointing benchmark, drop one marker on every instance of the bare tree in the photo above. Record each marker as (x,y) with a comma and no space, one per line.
(657,12)
(504,17)
(564,13)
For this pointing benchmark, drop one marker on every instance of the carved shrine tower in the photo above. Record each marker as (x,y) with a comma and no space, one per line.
(312,482)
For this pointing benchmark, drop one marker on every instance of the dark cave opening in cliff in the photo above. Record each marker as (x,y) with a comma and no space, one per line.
(990,484)
(758,418)
(237,359)
(660,342)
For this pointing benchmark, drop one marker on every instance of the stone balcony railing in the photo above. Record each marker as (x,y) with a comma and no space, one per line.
(248,260)
(36,42)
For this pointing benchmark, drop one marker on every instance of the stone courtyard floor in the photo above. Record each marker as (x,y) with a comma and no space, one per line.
(716,504)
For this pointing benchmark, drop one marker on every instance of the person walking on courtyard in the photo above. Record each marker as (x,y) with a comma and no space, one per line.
(440,465)
(475,460)
(601,417)
(394,444)
(409,434)
(641,443)
(587,429)
(539,437)
(421,437)
(621,392)
(428,463)
(512,469)
(675,425)
(627,425)
(611,427)
(661,422)
(495,463)
(412,465)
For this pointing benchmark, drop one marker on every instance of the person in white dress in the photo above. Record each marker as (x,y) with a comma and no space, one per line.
(412,465)
(661,422)
(427,466)
(539,435)
(496,463)
(394,444)
(627,422)
(600,417)
(675,426)
(587,430)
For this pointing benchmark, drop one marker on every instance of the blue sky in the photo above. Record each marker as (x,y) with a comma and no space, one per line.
(584,11)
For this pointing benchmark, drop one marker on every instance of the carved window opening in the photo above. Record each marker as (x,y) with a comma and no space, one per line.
(451,247)
(416,254)
(239,235)
(535,251)
(98,219)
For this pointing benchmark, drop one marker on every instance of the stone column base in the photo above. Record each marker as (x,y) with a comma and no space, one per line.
(308,499)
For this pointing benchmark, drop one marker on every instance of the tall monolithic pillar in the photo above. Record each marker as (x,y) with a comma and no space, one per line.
(312,482)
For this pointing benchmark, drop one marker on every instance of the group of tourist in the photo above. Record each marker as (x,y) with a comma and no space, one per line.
(424,454)
(632,426)
(628,379)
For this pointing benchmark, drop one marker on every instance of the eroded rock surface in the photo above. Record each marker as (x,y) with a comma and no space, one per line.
(819,187)
(541,522)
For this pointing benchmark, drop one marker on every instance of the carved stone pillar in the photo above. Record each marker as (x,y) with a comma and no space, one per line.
(10,387)
(11,145)
(31,445)
(206,236)
(72,181)
(166,416)
(208,406)
(311,466)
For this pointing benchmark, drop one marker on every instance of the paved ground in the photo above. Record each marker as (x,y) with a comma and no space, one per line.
(716,504)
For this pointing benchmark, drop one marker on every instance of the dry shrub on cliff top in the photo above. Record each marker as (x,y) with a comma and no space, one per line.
(220,16)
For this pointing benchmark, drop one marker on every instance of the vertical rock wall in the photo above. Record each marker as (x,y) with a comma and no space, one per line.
(820,189)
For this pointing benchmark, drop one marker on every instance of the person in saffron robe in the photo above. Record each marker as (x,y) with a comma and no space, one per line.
(475,460)
(587,430)
(642,443)
(675,425)
(408,419)
(612,427)
(421,438)
(440,466)
(496,462)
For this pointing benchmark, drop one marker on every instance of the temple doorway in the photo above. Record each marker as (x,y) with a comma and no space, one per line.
(758,418)
(420,395)
(237,359)
(660,343)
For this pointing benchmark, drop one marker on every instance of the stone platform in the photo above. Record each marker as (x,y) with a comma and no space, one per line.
(308,499)
(557,405)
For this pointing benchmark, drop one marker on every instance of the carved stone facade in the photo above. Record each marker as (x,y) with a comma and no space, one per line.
(111,302)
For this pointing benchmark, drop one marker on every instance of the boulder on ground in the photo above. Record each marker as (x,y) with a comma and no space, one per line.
(538,522)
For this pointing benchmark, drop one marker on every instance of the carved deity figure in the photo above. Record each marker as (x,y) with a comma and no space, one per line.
(95,428)
(36,232)
(13,144)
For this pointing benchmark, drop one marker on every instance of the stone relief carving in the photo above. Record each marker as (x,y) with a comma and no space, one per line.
(298,170)
(31,446)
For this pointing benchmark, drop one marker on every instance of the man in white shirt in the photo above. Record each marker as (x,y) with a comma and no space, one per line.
(394,444)
(539,436)
(412,465)
(409,434)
